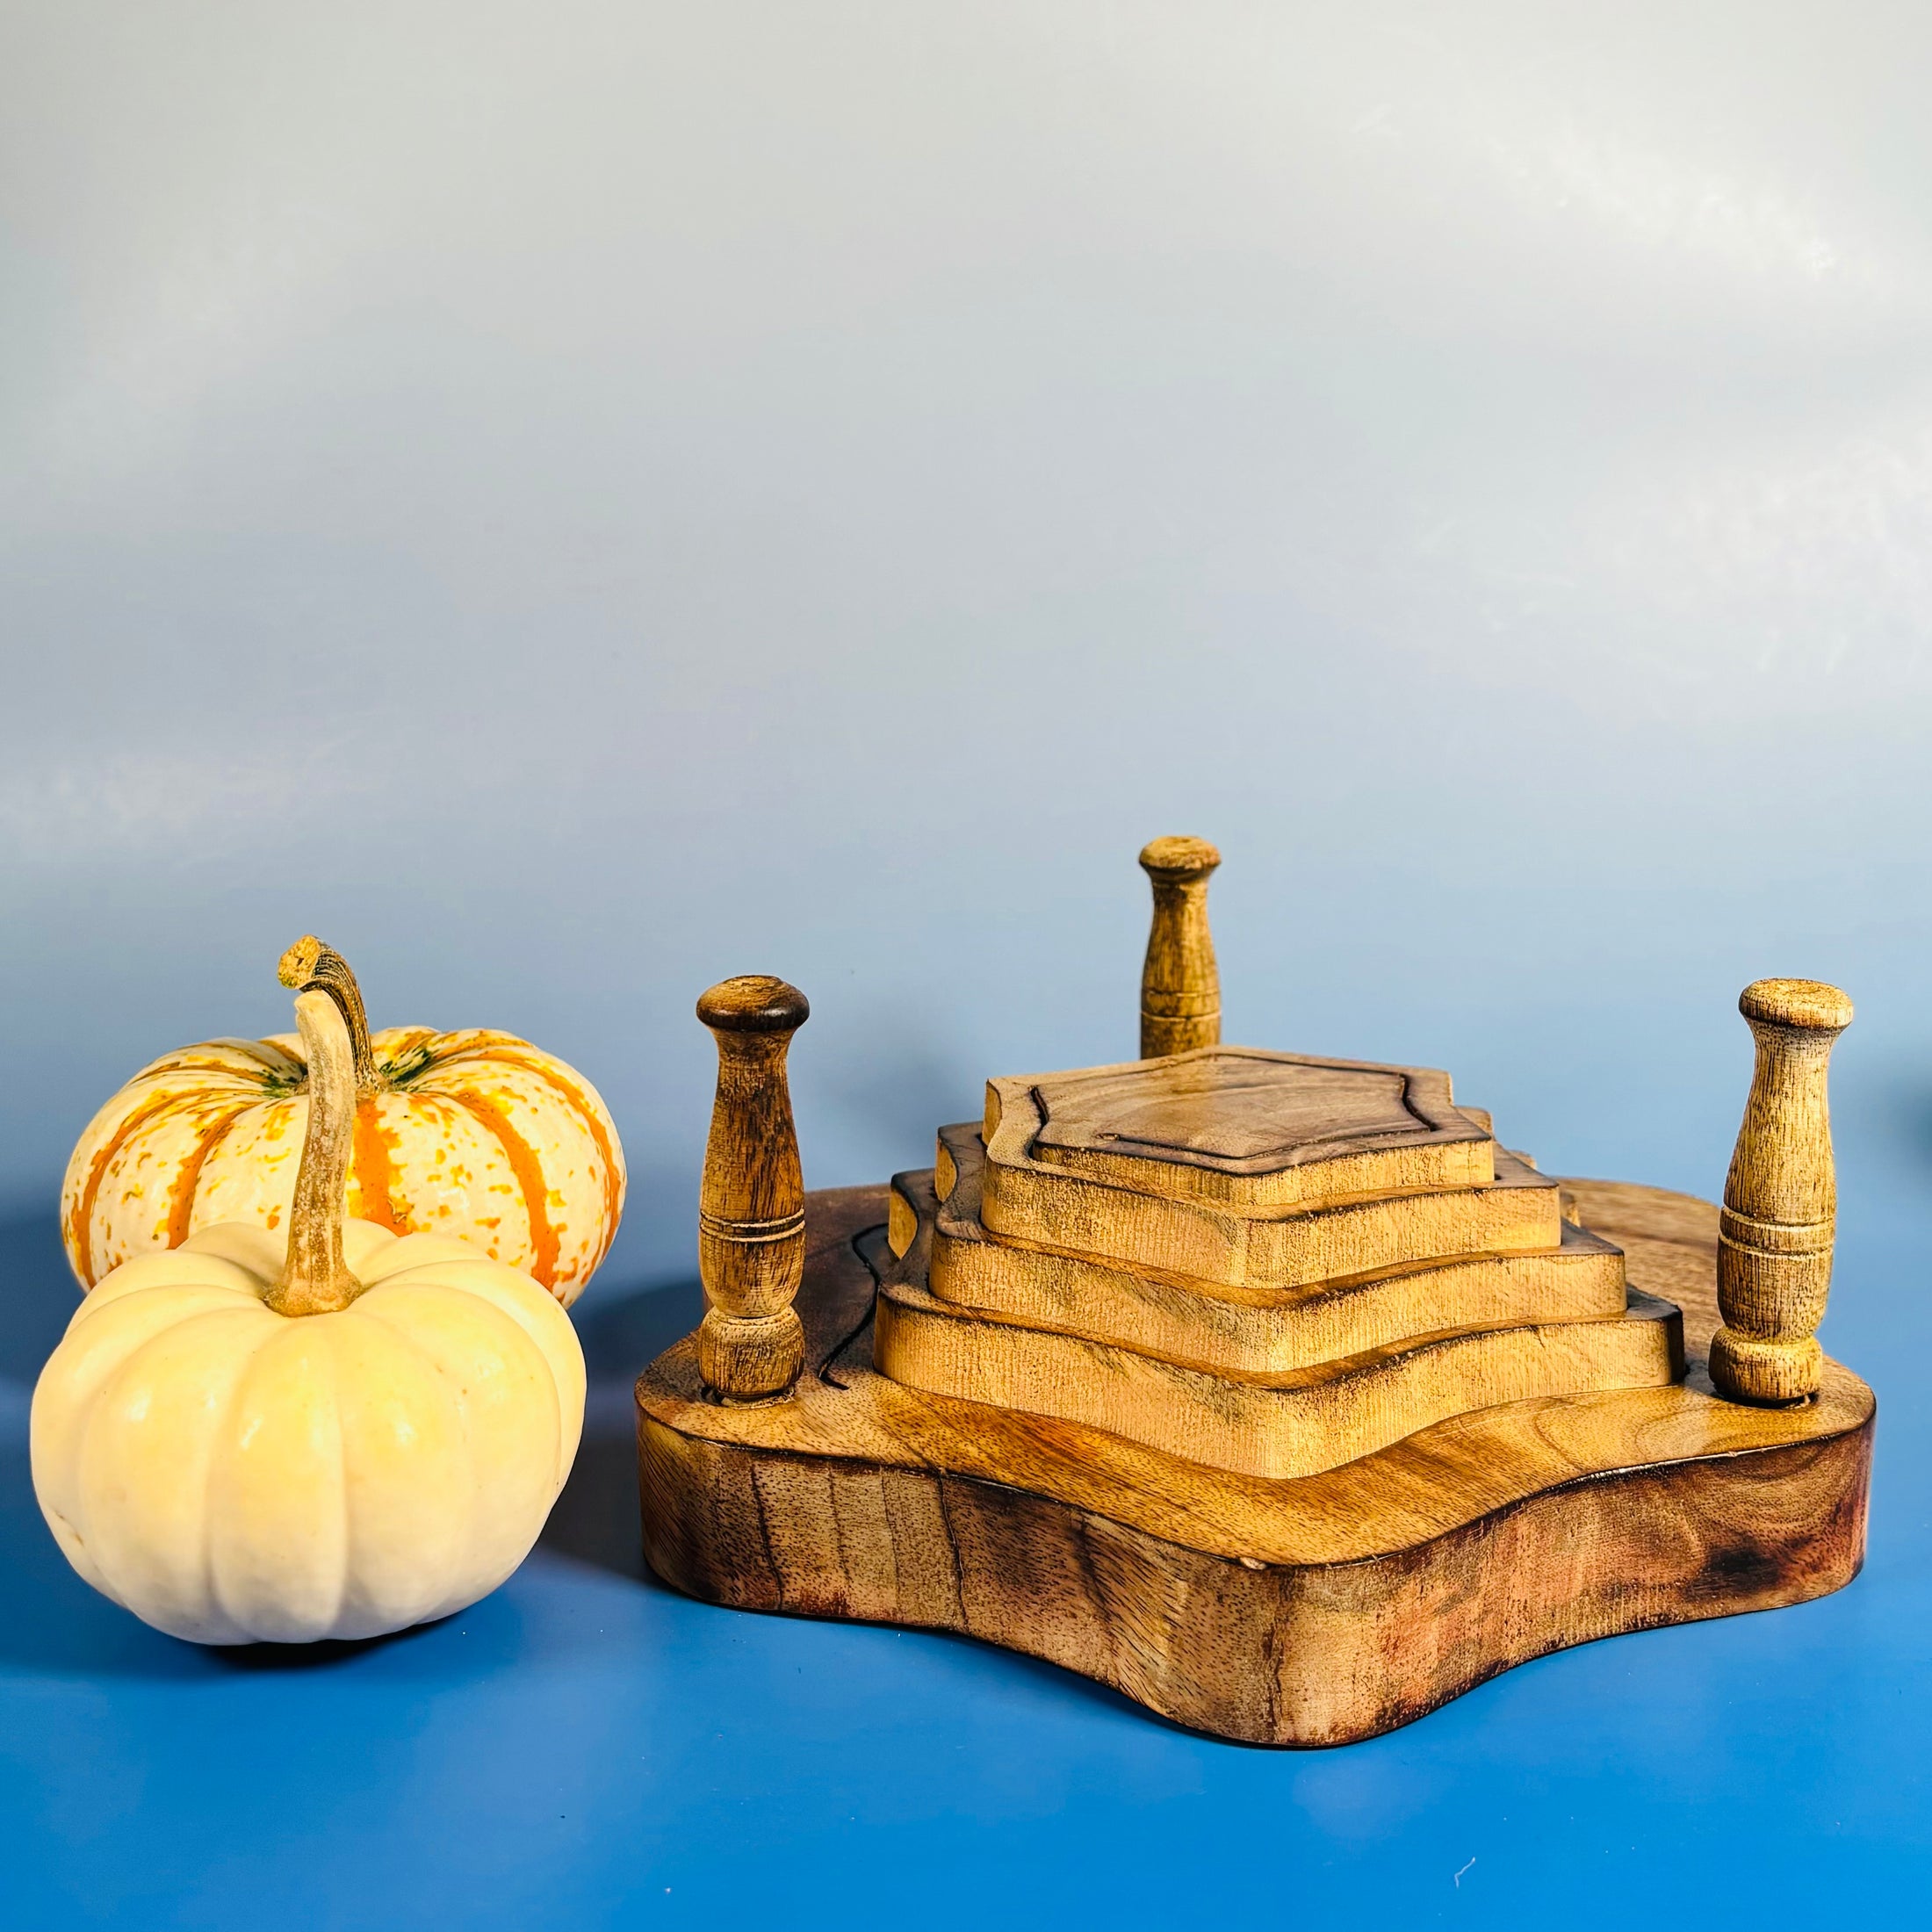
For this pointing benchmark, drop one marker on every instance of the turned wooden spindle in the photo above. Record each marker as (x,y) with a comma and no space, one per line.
(1180,989)
(751,1217)
(1781,1199)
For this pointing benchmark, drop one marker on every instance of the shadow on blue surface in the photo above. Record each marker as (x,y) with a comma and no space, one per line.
(1909,1103)
(623,1328)
(595,1519)
(37,1294)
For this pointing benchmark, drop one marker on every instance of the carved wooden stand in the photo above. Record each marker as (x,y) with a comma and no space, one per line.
(1271,1391)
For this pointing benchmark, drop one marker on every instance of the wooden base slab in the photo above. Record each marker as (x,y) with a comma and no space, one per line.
(1307,1611)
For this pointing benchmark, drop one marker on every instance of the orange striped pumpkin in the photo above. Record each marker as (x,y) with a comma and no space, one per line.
(476,1134)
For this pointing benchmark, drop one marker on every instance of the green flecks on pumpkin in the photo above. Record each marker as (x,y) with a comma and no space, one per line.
(410,1064)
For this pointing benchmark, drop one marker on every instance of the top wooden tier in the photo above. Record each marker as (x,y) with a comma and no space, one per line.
(1255,1132)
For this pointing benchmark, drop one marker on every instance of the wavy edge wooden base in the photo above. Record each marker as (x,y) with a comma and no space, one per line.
(1316,1610)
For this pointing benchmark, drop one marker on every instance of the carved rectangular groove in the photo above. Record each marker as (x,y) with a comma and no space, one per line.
(1244,1128)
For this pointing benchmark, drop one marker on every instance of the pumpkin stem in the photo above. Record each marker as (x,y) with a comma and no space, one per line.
(310,966)
(316,1279)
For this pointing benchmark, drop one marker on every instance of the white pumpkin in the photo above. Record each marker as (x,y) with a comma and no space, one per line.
(241,1441)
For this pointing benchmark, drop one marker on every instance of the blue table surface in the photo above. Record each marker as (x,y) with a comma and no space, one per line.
(586,1746)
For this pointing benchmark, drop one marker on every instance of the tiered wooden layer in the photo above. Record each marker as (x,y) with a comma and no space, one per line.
(1255,1131)
(1240,1167)
(1294,1422)
(1243,1329)
(1373,1262)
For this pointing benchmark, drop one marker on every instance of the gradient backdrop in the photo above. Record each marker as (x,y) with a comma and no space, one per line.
(573,501)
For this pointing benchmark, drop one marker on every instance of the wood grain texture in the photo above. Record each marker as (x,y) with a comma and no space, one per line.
(1779,1219)
(751,1238)
(1047,1204)
(1239,1128)
(1236,1329)
(1289,1423)
(1307,1611)
(1180,986)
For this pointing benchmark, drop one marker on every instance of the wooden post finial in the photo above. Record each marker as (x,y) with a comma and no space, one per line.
(1180,988)
(750,1215)
(1781,1199)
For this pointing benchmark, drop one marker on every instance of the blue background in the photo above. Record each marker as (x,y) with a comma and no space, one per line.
(571,502)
